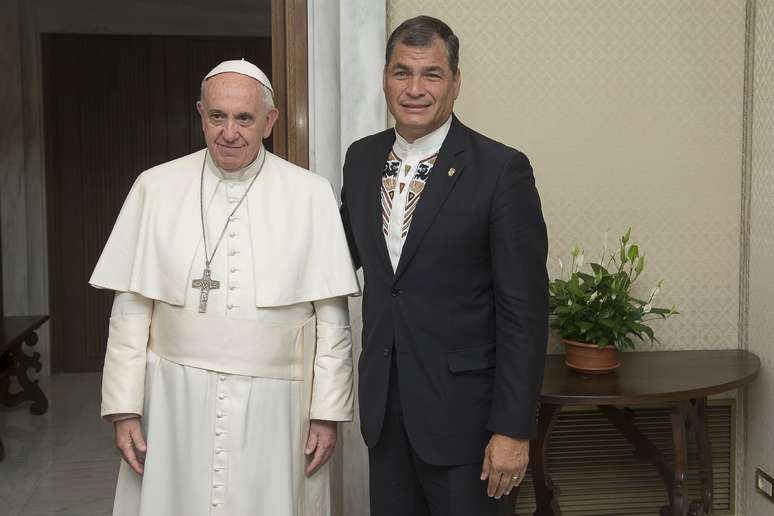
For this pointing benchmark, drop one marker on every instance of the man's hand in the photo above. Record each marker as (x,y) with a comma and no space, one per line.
(505,462)
(130,442)
(319,445)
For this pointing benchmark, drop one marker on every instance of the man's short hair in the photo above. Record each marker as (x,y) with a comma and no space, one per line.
(267,96)
(419,32)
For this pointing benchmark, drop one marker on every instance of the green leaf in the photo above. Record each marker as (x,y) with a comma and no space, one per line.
(599,307)
(641,328)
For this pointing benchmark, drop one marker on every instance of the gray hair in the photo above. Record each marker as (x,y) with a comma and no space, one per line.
(419,32)
(266,94)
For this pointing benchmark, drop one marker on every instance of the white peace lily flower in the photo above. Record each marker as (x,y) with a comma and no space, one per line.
(593,296)
(576,250)
(647,308)
(654,292)
(579,265)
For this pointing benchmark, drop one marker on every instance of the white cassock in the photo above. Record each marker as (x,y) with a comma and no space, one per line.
(226,396)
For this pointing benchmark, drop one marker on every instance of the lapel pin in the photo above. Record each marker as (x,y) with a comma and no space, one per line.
(452,171)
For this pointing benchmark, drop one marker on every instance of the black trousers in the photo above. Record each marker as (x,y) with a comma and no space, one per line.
(402,484)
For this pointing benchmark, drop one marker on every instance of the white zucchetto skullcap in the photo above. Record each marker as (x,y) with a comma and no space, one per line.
(243,67)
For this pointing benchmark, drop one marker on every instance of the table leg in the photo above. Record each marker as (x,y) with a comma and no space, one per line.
(20,362)
(622,420)
(545,491)
(698,427)
(3,389)
(679,414)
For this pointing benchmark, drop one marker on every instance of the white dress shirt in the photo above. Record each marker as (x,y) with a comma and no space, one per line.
(410,156)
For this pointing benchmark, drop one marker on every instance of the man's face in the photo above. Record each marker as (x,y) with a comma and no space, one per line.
(234,119)
(420,88)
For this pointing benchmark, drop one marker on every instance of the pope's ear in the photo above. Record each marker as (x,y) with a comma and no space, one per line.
(199,107)
(271,119)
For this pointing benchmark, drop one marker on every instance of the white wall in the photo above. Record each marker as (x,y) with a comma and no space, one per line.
(345,75)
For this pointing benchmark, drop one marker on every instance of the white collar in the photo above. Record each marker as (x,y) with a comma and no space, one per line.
(425,146)
(243,174)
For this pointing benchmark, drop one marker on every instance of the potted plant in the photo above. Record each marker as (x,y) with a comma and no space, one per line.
(596,314)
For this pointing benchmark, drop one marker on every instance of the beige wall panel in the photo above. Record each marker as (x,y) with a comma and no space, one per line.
(760,416)
(631,113)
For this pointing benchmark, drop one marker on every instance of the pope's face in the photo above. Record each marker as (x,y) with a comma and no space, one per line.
(234,119)
(420,88)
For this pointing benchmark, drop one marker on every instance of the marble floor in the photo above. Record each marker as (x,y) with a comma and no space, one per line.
(63,462)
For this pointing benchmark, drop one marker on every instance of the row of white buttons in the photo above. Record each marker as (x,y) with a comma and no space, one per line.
(220,460)
(233,196)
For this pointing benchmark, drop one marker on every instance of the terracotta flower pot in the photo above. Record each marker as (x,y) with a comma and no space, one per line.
(589,359)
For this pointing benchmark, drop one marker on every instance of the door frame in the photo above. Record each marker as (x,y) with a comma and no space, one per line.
(289,41)
(290,135)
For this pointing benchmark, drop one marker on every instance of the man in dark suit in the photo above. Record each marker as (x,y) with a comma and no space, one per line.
(447,226)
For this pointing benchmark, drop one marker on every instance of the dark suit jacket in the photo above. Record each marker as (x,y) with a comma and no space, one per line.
(467,308)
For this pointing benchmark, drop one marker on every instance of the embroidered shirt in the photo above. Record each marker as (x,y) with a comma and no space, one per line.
(405,175)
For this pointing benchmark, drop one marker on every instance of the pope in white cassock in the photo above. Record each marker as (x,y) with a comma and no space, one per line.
(228,359)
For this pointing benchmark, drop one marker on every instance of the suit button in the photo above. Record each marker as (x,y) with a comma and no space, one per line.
(386,352)
(396,292)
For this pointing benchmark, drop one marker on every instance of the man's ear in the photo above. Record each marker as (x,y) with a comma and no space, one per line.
(458,83)
(384,79)
(271,119)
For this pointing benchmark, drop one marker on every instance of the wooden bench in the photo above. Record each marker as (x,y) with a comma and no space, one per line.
(14,363)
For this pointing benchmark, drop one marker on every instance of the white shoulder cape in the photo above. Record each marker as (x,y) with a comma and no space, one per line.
(299,249)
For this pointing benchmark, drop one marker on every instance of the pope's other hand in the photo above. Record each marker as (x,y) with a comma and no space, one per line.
(319,445)
(130,442)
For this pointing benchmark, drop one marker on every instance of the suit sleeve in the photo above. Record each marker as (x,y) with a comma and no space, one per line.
(519,247)
(345,216)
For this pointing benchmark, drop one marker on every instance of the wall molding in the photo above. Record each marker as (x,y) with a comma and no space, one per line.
(742,431)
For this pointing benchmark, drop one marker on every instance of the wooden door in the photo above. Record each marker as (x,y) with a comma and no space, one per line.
(114,106)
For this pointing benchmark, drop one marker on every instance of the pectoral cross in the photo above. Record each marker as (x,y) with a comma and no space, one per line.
(205,284)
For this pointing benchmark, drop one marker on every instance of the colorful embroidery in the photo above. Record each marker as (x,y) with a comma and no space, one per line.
(415,186)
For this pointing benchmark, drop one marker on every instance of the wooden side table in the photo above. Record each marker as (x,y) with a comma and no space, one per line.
(682,379)
(14,362)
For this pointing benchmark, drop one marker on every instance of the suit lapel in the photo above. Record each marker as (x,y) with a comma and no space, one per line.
(442,180)
(375,171)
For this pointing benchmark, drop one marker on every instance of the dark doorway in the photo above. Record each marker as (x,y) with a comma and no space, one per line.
(114,106)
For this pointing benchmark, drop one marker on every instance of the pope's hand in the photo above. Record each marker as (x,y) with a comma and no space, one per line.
(319,445)
(505,462)
(130,442)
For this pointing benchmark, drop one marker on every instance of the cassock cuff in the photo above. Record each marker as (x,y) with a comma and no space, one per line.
(332,386)
(123,376)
